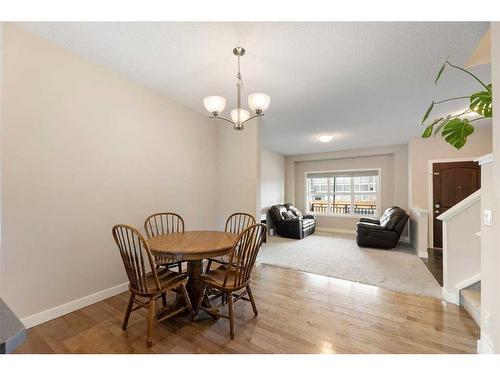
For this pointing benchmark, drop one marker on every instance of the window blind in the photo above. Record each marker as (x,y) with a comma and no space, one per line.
(341,174)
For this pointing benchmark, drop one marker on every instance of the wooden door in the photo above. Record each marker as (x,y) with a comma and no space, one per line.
(452,183)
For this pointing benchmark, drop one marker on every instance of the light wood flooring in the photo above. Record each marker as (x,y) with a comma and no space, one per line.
(298,313)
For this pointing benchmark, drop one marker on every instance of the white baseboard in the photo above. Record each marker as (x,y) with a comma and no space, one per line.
(449,297)
(55,312)
(484,346)
(335,230)
(423,254)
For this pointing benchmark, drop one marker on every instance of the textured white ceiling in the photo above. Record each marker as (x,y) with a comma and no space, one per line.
(367,83)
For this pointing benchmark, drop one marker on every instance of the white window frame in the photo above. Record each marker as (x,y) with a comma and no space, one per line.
(330,193)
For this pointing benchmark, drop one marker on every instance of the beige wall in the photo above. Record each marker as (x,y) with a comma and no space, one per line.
(272,178)
(392,160)
(420,151)
(238,170)
(83,149)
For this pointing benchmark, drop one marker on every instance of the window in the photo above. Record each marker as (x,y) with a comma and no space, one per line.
(342,193)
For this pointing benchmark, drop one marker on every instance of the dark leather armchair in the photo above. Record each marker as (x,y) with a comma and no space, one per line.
(289,221)
(384,232)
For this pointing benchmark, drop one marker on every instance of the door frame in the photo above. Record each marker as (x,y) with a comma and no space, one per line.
(430,190)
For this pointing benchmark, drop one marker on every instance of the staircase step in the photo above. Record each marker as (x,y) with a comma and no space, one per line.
(470,299)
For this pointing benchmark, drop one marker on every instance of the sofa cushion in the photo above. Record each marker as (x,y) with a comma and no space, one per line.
(287,215)
(295,210)
(276,212)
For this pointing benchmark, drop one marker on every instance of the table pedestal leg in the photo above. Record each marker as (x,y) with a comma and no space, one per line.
(194,269)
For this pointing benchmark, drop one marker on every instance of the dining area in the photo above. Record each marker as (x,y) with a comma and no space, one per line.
(174,271)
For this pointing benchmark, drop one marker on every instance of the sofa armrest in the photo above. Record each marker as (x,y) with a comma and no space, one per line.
(370,226)
(369,220)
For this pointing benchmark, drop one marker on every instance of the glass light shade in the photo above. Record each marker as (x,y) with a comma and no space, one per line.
(259,101)
(325,138)
(214,104)
(244,115)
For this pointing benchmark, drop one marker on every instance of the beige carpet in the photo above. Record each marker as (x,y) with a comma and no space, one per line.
(337,255)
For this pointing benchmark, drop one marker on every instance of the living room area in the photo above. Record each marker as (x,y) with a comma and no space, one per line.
(347,200)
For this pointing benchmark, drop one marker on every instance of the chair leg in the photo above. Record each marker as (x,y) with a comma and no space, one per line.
(188,301)
(151,318)
(129,310)
(179,265)
(208,266)
(164,300)
(252,301)
(229,297)
(200,301)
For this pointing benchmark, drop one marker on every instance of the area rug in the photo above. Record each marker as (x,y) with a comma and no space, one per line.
(337,255)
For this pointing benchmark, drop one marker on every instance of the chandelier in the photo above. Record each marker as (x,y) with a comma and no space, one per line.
(258,102)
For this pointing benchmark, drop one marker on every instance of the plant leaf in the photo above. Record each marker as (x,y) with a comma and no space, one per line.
(443,123)
(440,72)
(482,102)
(428,112)
(456,131)
(428,131)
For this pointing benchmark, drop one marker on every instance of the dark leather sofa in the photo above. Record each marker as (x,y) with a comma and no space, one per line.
(384,232)
(289,221)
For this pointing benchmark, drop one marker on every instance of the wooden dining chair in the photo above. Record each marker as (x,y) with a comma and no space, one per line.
(164,223)
(146,287)
(235,276)
(236,223)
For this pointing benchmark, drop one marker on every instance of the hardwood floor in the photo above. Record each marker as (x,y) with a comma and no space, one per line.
(298,313)
(434,263)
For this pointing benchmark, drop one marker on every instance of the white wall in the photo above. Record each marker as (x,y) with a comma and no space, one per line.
(272,178)
(419,224)
(392,161)
(238,171)
(491,281)
(461,247)
(1,131)
(489,259)
(84,149)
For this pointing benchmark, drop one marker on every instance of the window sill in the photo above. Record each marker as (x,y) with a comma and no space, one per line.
(344,216)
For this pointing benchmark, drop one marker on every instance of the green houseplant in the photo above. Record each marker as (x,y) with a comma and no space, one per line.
(455,128)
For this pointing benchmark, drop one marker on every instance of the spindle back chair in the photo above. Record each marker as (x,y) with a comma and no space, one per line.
(164,223)
(236,275)
(236,223)
(146,281)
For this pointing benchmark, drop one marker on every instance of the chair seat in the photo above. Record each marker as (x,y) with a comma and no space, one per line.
(166,277)
(216,277)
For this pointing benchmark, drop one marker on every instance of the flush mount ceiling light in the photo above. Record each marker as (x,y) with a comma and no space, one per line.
(258,102)
(325,138)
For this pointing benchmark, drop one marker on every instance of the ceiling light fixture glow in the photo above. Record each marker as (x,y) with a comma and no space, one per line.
(325,138)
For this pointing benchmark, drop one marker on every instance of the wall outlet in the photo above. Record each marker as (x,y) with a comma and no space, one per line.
(488,217)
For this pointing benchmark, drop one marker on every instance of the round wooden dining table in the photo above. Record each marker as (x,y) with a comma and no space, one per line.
(193,247)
